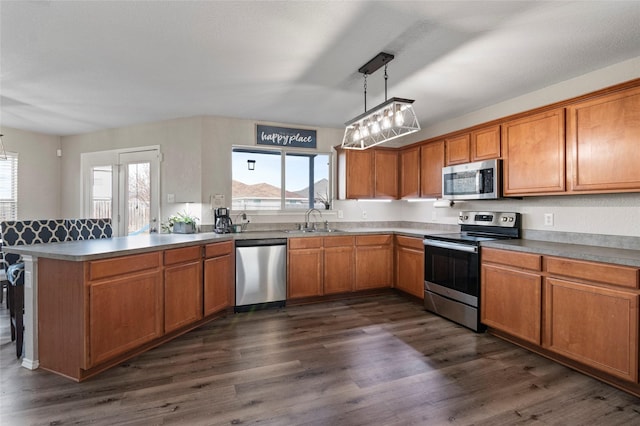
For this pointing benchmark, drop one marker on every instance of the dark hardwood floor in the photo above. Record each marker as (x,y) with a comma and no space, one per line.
(379,360)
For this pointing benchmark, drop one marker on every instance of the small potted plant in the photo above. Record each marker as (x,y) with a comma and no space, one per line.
(182,223)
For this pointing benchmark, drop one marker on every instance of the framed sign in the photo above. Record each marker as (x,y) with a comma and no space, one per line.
(282,136)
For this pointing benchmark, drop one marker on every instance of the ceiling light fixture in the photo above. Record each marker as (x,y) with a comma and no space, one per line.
(389,120)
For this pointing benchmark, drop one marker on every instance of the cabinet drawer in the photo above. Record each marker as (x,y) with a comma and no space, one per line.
(373,240)
(123,265)
(529,261)
(304,243)
(182,255)
(338,241)
(592,271)
(415,243)
(218,249)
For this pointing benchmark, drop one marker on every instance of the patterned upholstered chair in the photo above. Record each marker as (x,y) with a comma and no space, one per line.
(19,233)
(4,282)
(89,229)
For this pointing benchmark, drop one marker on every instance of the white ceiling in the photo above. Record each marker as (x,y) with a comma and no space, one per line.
(76,67)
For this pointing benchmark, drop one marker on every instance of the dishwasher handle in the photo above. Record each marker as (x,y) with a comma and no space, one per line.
(262,242)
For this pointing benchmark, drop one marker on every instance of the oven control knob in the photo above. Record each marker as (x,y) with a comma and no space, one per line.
(504,219)
(465,217)
(510,219)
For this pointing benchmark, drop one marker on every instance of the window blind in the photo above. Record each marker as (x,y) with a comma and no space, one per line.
(9,187)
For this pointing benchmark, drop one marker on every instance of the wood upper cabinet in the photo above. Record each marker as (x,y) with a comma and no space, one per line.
(124,310)
(511,293)
(374,261)
(485,143)
(339,258)
(409,272)
(355,174)
(534,154)
(409,173)
(304,267)
(182,287)
(603,136)
(219,277)
(457,149)
(593,325)
(386,174)
(431,164)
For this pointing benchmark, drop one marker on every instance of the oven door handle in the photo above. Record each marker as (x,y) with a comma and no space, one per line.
(451,246)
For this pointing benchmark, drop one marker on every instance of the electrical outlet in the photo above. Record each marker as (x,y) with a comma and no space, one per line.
(171,198)
(364,214)
(340,214)
(548,219)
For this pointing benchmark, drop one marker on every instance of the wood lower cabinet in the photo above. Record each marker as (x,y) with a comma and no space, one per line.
(586,316)
(511,293)
(602,136)
(534,154)
(339,258)
(593,325)
(182,287)
(125,310)
(374,261)
(304,267)
(409,268)
(431,164)
(219,277)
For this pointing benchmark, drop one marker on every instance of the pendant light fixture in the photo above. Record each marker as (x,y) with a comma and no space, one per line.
(389,120)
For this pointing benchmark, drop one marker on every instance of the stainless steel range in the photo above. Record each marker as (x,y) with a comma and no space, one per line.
(452,265)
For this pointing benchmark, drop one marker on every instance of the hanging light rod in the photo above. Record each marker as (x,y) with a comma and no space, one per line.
(389,120)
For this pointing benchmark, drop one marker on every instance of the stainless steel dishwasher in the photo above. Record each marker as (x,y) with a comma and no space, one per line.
(261,273)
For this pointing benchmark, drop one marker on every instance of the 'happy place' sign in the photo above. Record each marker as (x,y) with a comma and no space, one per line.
(282,136)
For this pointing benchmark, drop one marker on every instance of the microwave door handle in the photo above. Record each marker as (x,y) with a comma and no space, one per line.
(479,188)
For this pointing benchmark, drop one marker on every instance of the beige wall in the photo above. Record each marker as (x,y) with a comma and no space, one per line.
(197,161)
(38,173)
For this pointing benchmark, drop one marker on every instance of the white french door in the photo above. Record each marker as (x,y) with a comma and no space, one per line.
(123,185)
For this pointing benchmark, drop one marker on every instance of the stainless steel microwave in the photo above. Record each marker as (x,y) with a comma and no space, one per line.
(472,181)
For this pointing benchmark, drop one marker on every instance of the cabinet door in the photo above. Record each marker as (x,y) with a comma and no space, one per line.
(432,162)
(182,295)
(410,173)
(218,283)
(593,325)
(338,269)
(410,268)
(304,273)
(457,150)
(374,265)
(359,174)
(534,154)
(124,313)
(386,174)
(511,301)
(485,143)
(603,135)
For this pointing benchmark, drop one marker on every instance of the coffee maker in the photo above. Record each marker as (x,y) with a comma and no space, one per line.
(222,220)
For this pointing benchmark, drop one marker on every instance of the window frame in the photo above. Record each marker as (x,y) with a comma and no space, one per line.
(13,159)
(283,174)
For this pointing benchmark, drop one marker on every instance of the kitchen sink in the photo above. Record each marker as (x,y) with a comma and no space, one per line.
(312,231)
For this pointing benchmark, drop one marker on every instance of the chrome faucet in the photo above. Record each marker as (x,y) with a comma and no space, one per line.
(306,218)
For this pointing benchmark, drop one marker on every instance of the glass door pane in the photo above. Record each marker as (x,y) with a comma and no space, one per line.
(138,198)
(101,192)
